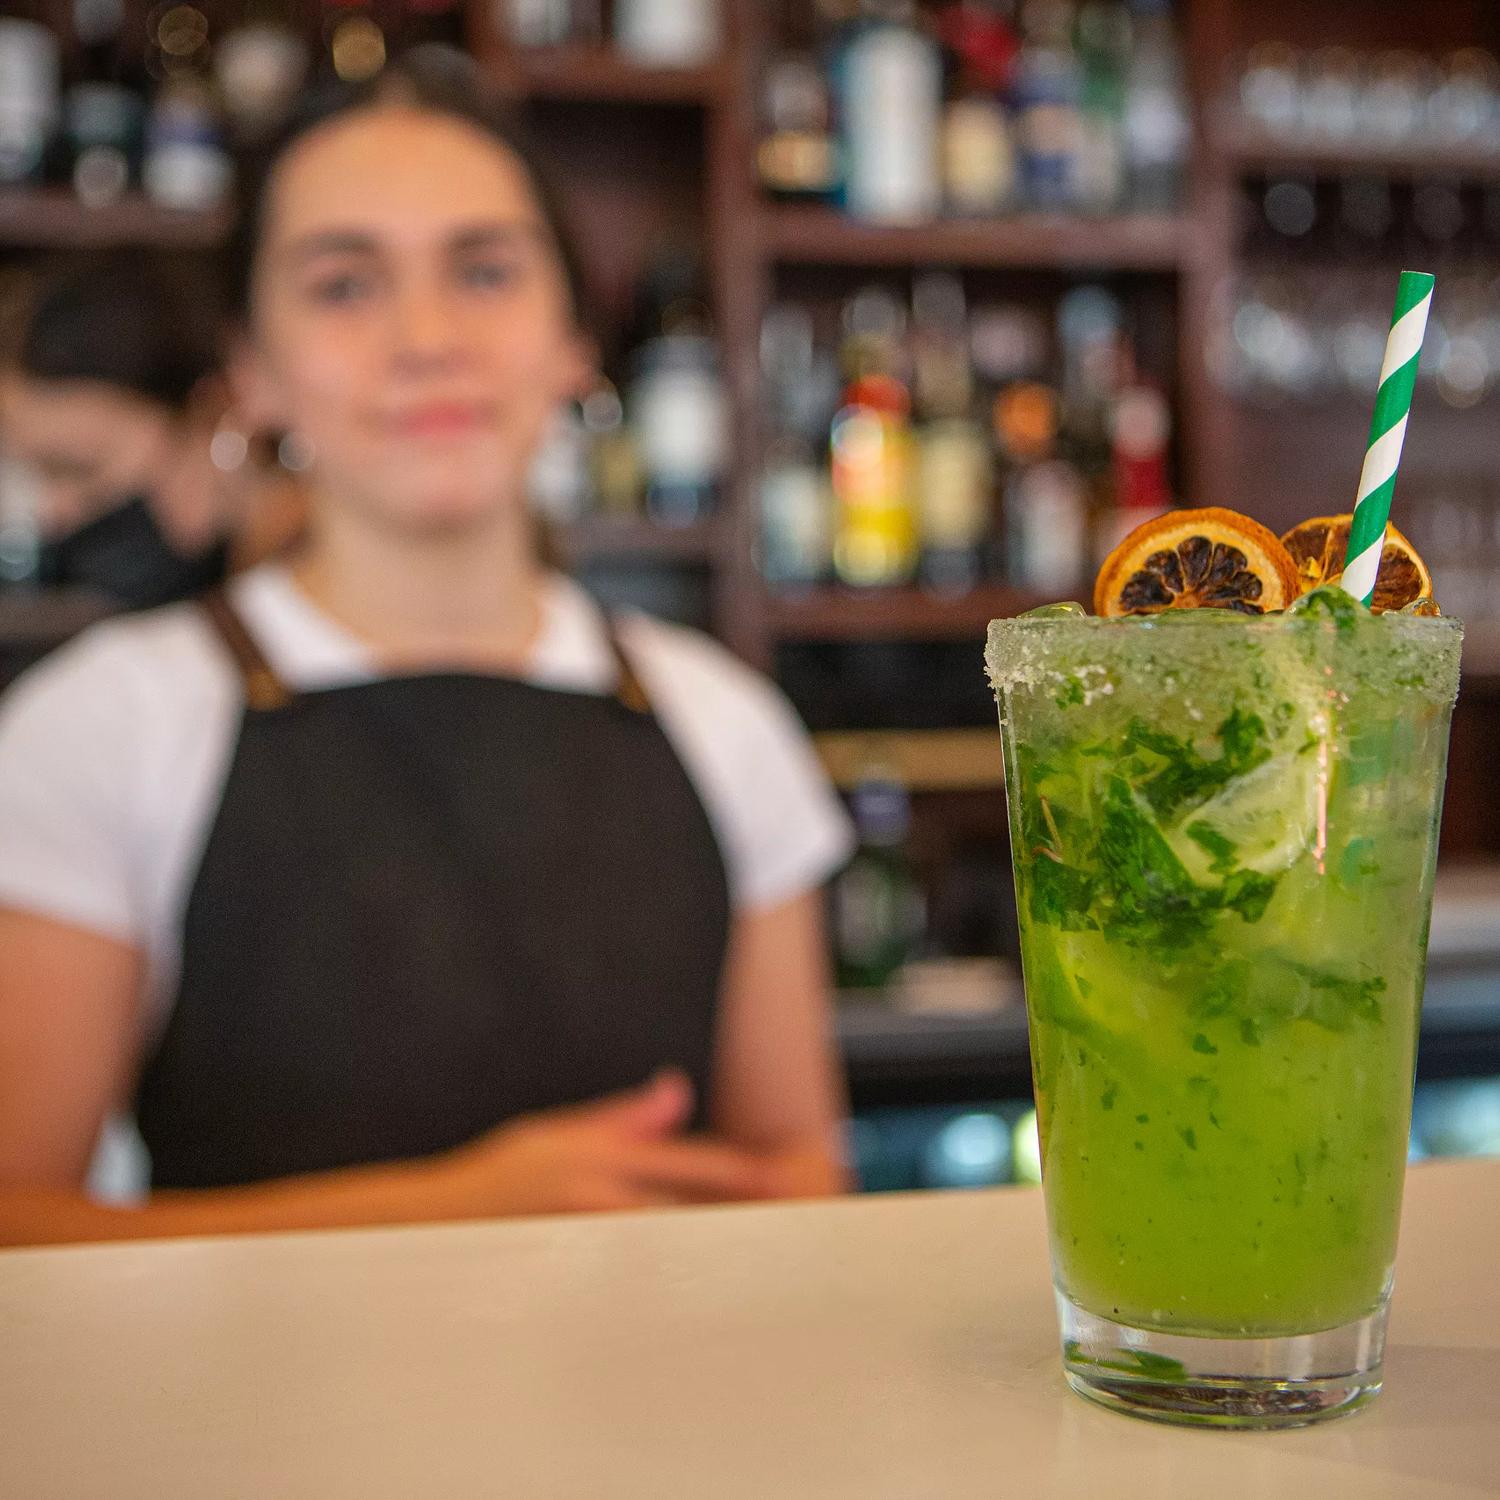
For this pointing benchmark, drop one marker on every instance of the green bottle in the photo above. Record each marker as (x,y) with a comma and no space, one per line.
(878,910)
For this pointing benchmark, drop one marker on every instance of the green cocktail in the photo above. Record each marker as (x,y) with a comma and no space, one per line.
(1224,830)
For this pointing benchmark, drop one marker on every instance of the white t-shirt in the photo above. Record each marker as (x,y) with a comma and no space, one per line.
(113,754)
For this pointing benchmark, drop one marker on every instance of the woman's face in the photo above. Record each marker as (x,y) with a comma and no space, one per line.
(89,443)
(411,322)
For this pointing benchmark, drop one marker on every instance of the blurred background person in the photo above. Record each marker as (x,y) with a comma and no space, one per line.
(114,400)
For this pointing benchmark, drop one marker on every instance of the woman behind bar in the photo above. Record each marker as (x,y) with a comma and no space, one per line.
(400,882)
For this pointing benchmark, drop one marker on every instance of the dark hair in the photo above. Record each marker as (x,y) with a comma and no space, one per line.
(435,80)
(140,320)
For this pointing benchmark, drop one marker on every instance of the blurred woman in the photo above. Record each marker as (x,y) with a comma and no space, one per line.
(402,882)
(116,402)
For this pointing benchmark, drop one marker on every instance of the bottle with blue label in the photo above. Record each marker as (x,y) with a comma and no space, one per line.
(1048,95)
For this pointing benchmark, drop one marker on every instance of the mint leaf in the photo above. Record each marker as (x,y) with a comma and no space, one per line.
(1212,842)
(1060,895)
(1337,1002)
(1150,894)
(1248,893)
(1185,778)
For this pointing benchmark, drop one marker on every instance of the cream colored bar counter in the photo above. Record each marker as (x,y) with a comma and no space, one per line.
(898,1347)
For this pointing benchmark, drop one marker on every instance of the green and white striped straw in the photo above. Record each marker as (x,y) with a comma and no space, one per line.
(1377,480)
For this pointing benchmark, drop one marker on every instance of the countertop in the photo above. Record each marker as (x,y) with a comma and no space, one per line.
(896,1347)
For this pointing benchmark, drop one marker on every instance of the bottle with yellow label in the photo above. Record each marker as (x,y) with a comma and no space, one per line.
(871,445)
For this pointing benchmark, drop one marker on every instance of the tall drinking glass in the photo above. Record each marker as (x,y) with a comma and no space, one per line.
(1224,829)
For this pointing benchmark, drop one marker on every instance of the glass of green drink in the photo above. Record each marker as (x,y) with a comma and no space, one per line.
(1224,829)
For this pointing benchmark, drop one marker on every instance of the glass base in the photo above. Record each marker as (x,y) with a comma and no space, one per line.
(1203,1381)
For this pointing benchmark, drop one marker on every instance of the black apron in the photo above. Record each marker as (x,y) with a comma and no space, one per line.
(427,905)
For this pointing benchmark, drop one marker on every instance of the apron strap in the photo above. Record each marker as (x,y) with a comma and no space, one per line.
(628,688)
(263,688)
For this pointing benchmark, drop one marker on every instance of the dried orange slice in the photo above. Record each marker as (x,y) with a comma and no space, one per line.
(1318,547)
(1196,559)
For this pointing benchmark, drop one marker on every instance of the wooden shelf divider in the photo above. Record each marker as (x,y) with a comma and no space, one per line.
(815,235)
(897,614)
(598,74)
(53,219)
(926,760)
(603,538)
(1253,153)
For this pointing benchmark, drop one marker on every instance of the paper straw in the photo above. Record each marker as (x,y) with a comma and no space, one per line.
(1377,480)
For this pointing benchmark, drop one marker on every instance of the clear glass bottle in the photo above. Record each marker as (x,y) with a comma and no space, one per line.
(797,516)
(669,33)
(680,415)
(30,78)
(888,78)
(1158,127)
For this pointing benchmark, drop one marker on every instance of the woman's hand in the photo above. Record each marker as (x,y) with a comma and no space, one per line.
(625,1151)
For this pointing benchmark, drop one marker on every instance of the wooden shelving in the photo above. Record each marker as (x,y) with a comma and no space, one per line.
(927,760)
(902,614)
(814,235)
(601,75)
(52,219)
(597,540)
(1252,153)
(1481,658)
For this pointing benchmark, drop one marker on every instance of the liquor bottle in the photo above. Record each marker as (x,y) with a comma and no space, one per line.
(675,399)
(356,43)
(1104,51)
(888,86)
(799,376)
(979,156)
(797,156)
(877,908)
(874,327)
(954,500)
(535,23)
(796,496)
(873,484)
(1157,123)
(942,371)
(1048,94)
(797,510)
(1046,499)
(669,33)
(680,416)
(614,457)
(186,165)
(259,67)
(954,484)
(559,486)
(102,115)
(1140,430)
(1094,363)
(979,150)
(30,77)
